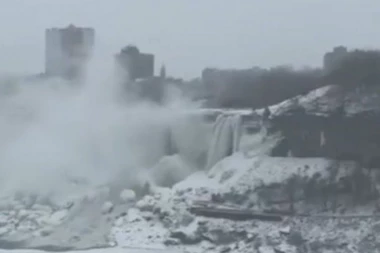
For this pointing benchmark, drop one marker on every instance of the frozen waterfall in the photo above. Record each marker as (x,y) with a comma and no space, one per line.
(225,139)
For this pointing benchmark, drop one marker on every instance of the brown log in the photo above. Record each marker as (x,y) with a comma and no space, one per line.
(233,214)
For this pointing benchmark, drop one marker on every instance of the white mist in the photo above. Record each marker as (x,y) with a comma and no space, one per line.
(58,139)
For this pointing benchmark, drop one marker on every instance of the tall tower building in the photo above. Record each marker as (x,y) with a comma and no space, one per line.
(67,50)
(334,58)
(163,72)
(137,64)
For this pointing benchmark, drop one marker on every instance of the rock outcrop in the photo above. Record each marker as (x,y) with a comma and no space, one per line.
(295,185)
(332,122)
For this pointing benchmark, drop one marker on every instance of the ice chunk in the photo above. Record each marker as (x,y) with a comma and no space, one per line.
(127,195)
(107,207)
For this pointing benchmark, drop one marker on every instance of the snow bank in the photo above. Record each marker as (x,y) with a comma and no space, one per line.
(325,100)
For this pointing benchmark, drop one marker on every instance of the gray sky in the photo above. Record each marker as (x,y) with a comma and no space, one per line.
(188,35)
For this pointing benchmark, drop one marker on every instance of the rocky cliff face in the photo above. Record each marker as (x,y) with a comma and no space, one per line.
(296,185)
(332,122)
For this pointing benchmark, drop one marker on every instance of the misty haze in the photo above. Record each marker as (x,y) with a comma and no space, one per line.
(173,126)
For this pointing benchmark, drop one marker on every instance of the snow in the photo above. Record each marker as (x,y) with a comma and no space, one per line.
(316,102)
(241,172)
(139,232)
(127,195)
(58,217)
(107,207)
(83,224)
(196,180)
(265,170)
(325,100)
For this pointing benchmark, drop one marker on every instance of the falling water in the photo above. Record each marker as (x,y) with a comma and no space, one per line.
(226,138)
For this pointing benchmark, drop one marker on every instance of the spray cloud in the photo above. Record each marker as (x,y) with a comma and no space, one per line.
(60,139)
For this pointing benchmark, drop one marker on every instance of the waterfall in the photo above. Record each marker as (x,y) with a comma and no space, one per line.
(225,139)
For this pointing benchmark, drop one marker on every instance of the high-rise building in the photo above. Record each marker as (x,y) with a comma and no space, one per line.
(333,59)
(137,64)
(67,50)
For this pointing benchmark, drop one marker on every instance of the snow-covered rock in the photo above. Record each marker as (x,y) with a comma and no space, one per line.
(266,249)
(133,215)
(43,208)
(333,122)
(107,207)
(146,204)
(282,183)
(58,216)
(189,234)
(127,195)
(326,100)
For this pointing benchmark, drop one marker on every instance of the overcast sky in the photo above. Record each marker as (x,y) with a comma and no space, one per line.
(188,35)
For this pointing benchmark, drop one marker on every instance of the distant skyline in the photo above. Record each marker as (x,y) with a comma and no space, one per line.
(188,36)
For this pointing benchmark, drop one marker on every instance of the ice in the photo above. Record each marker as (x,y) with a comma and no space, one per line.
(58,217)
(226,138)
(127,195)
(107,207)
